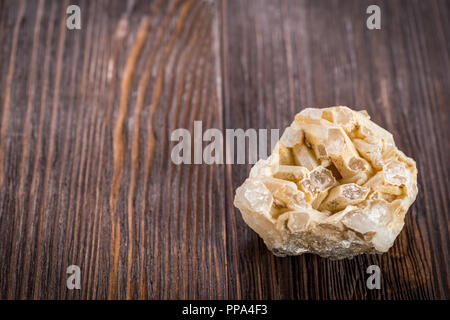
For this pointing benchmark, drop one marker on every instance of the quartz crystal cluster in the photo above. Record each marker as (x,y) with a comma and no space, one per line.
(335,185)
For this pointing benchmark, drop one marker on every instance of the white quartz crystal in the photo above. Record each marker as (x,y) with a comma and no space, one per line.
(335,185)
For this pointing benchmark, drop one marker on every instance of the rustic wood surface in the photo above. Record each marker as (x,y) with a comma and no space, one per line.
(86,176)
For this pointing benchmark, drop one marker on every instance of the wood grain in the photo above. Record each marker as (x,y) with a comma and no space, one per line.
(86,176)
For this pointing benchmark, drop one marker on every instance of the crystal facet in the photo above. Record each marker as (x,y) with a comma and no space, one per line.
(335,185)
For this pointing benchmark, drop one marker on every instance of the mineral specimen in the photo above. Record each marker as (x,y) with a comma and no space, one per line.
(335,185)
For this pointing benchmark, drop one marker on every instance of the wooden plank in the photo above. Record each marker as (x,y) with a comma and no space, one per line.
(281,56)
(86,176)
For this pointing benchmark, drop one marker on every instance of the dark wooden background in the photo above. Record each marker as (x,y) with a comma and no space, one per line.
(86,176)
